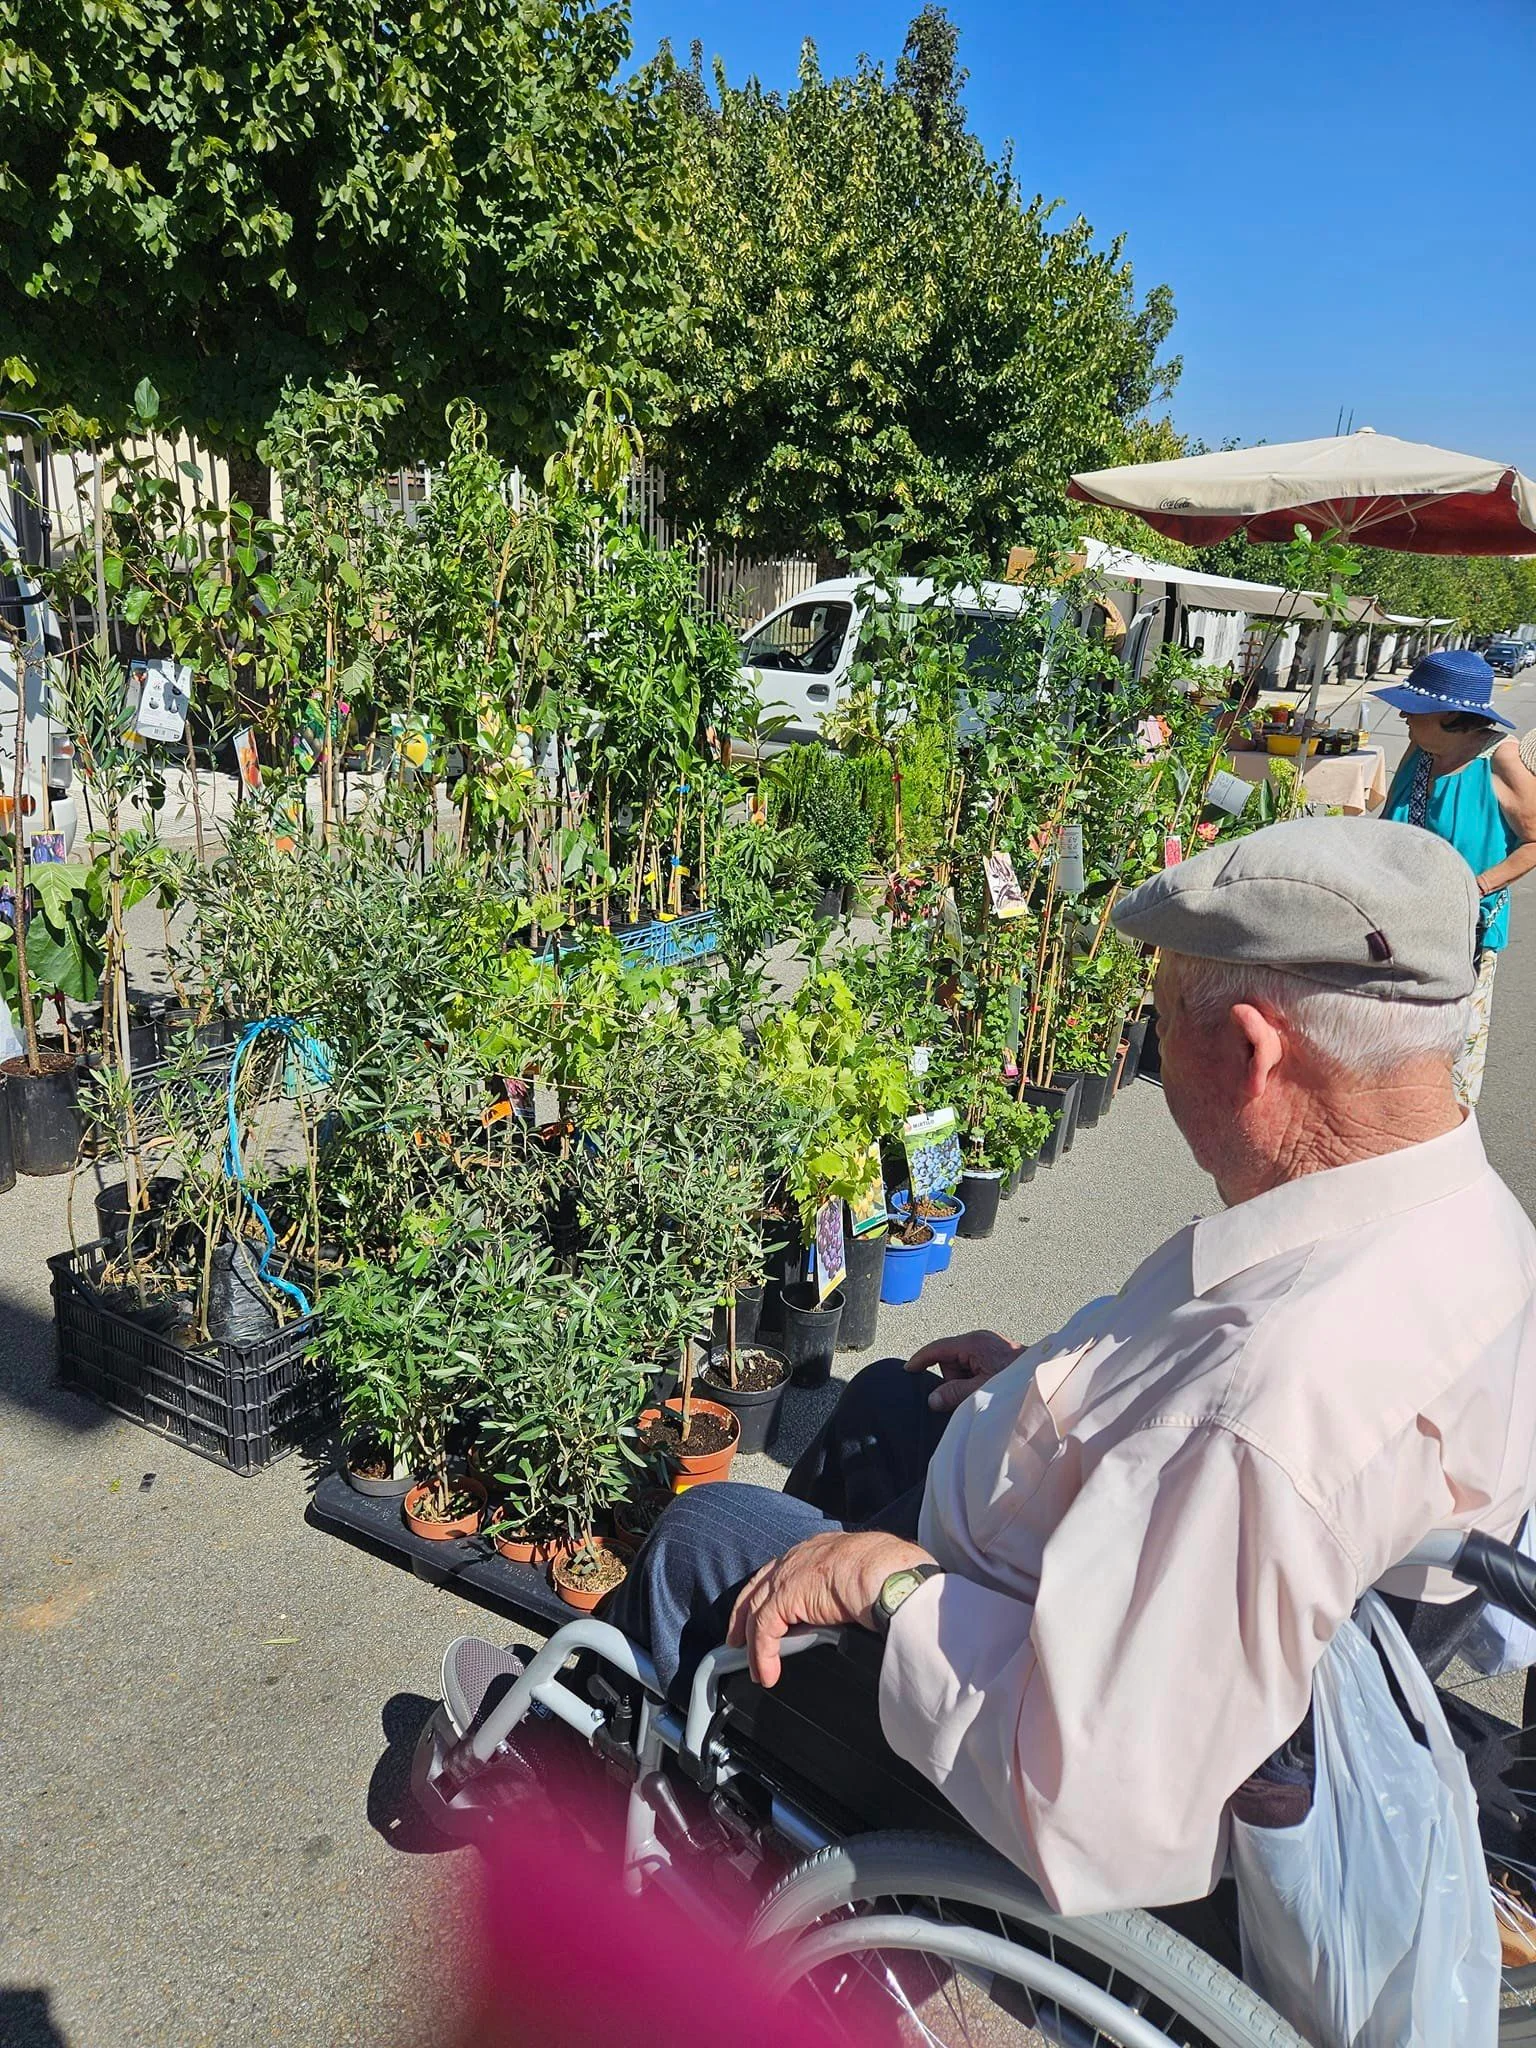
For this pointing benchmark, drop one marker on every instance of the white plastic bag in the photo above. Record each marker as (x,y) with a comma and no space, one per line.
(1370,1924)
(1499,1641)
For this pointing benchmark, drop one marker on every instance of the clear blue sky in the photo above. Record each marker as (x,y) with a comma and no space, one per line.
(1341,193)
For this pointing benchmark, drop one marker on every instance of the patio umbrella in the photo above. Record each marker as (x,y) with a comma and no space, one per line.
(1370,487)
(1367,487)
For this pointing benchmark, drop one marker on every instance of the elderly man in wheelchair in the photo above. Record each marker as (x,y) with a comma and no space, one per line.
(1056,1614)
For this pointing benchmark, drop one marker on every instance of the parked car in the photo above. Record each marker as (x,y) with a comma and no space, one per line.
(798,660)
(1509,655)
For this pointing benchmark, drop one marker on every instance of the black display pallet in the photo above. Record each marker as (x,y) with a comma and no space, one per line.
(470,1565)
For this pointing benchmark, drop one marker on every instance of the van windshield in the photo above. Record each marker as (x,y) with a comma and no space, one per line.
(807,638)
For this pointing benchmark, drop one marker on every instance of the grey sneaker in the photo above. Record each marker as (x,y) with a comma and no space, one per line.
(476,1675)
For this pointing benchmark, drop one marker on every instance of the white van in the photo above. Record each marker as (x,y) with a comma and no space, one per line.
(48,768)
(797,660)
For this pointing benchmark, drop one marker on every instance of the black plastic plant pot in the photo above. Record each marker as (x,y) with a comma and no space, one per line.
(1135,1041)
(981,1189)
(7,1156)
(784,1264)
(112,1204)
(1061,1100)
(1074,1088)
(810,1332)
(374,1489)
(45,1113)
(865,1259)
(829,904)
(1092,1095)
(755,1409)
(749,1316)
(1011,1182)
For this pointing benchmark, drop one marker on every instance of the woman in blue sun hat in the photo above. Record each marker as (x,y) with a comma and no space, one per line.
(1462,778)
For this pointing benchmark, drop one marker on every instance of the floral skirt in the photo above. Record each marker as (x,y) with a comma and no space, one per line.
(1468,1072)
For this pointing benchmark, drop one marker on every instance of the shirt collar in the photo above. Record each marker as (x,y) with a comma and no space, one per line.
(1332,1203)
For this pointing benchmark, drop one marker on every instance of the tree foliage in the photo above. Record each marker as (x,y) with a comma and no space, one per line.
(885,324)
(449,199)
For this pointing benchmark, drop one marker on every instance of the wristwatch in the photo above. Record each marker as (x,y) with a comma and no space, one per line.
(898,1587)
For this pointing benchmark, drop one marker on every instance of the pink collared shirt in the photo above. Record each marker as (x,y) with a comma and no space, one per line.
(1152,1522)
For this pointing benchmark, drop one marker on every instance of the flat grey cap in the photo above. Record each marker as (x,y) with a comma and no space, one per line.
(1358,904)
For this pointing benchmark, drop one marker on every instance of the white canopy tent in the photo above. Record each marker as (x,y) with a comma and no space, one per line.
(1218,608)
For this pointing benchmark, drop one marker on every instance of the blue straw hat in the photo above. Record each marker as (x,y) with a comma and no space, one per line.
(1451,679)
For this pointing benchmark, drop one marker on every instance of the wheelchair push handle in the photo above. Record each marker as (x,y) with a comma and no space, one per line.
(1505,1576)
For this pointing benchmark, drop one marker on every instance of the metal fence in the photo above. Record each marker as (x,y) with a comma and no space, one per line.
(735,585)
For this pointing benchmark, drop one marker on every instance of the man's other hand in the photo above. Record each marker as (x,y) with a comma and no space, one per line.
(966,1362)
(827,1581)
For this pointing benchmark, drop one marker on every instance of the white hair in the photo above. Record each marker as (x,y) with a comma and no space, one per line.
(1361,1034)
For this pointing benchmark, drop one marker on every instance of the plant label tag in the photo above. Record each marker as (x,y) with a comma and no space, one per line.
(245,759)
(867,1209)
(1003,886)
(831,1253)
(1229,793)
(929,1124)
(1069,861)
(919,1062)
(165,692)
(46,849)
(1173,852)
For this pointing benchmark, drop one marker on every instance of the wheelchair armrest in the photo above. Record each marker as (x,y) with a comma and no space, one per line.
(704,1698)
(1500,1572)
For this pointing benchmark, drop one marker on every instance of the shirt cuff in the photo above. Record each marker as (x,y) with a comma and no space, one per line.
(918,1685)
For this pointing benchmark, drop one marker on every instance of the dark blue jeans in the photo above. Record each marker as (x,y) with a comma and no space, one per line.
(865,1469)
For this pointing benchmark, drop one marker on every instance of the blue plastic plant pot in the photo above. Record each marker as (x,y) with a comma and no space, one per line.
(906,1268)
(943,1241)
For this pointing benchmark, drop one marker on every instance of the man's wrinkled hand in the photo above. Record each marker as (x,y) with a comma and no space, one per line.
(826,1581)
(966,1362)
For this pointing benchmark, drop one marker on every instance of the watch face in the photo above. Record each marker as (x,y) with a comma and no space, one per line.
(898,1587)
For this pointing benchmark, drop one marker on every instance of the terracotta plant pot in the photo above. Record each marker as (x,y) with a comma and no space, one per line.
(444,1532)
(630,1523)
(525,1550)
(585,1598)
(703,1467)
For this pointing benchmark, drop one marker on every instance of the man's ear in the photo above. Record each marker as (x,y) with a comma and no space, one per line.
(1265,1048)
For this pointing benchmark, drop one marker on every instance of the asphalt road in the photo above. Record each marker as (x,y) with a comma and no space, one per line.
(206,1705)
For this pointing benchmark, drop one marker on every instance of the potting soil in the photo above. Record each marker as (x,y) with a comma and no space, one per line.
(706,1433)
(757,1372)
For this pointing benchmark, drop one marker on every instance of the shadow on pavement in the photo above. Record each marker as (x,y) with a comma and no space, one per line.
(29,1380)
(392,1812)
(25,2021)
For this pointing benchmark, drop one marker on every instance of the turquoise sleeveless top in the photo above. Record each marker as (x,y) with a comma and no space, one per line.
(1464,809)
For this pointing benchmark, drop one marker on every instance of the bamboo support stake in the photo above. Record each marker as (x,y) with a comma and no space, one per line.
(685,1381)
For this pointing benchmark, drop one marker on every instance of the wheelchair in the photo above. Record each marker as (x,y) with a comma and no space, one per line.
(859,1886)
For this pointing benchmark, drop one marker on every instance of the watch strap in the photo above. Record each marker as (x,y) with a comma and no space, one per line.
(912,1576)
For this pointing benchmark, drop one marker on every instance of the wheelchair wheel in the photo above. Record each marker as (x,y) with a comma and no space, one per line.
(923,1939)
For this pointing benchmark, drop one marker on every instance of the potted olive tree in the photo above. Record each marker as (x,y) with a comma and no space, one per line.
(397,1351)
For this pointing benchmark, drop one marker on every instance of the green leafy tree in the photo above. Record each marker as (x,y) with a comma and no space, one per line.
(886,323)
(452,198)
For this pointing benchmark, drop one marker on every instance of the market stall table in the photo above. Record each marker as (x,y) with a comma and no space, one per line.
(1348,782)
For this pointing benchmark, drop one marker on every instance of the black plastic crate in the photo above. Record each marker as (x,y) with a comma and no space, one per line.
(241,1405)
